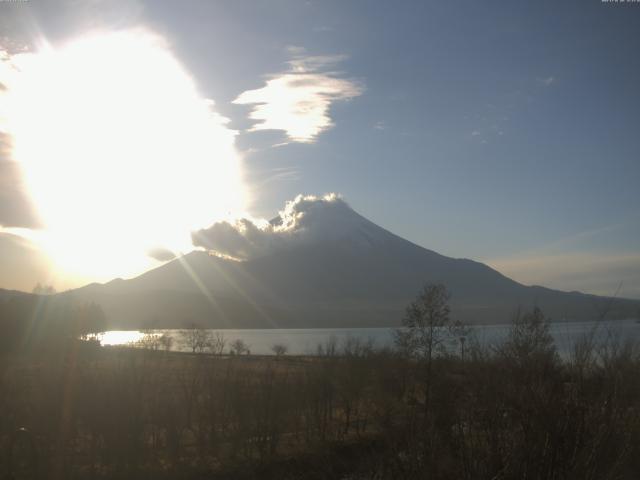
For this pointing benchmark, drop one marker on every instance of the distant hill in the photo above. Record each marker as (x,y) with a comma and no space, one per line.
(358,275)
(7,294)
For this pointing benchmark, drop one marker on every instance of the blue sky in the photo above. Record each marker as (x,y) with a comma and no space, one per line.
(505,132)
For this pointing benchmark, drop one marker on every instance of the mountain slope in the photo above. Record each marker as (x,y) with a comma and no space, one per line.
(338,270)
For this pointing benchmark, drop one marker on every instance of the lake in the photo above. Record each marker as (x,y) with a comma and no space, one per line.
(306,341)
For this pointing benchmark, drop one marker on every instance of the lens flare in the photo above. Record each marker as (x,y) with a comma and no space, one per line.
(120,152)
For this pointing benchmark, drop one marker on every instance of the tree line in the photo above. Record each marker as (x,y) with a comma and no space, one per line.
(418,410)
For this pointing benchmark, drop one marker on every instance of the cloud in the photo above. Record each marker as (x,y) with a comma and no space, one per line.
(280,174)
(161,254)
(546,81)
(298,101)
(304,220)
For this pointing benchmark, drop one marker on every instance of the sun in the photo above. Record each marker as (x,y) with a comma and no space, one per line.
(120,152)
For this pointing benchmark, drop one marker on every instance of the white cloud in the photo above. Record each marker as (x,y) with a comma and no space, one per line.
(546,81)
(298,101)
(281,174)
(306,219)
(161,254)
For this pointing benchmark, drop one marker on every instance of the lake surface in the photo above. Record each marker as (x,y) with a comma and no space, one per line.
(306,341)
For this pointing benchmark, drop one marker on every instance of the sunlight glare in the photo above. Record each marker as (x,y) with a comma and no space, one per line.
(120,152)
(121,337)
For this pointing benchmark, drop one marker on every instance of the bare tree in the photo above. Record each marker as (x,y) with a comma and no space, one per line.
(166,341)
(426,327)
(529,340)
(197,338)
(217,344)
(426,324)
(149,341)
(279,349)
(329,348)
(239,347)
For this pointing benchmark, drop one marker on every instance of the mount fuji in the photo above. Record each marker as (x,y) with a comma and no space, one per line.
(320,264)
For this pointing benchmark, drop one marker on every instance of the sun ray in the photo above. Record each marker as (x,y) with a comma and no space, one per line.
(120,152)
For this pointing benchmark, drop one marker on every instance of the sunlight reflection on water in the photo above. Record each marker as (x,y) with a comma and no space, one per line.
(305,341)
(120,337)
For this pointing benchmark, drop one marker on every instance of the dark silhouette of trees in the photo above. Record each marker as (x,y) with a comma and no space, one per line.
(41,289)
(197,338)
(29,321)
(513,410)
(529,340)
(218,343)
(426,327)
(279,349)
(86,319)
(426,323)
(239,347)
(130,413)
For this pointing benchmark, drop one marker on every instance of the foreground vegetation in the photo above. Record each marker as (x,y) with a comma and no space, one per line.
(351,412)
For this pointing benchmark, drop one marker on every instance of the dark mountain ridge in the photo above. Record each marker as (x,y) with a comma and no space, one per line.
(355,274)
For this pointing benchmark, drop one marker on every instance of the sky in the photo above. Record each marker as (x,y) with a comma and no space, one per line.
(505,132)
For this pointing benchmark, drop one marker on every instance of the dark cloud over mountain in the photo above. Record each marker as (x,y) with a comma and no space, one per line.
(304,220)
